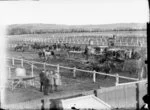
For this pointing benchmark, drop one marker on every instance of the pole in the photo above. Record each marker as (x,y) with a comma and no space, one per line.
(117,79)
(9,73)
(44,66)
(94,76)
(21,62)
(74,72)
(32,73)
(58,68)
(32,70)
(137,97)
(13,61)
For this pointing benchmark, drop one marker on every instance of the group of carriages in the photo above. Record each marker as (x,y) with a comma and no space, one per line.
(111,53)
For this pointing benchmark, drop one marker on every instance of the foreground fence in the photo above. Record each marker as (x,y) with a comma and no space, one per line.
(33,67)
(126,95)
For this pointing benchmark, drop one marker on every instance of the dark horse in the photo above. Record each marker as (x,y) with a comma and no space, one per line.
(19,47)
(41,54)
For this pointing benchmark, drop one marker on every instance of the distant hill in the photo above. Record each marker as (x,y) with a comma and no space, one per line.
(19,29)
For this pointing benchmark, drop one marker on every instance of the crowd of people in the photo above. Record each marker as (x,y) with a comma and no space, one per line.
(49,81)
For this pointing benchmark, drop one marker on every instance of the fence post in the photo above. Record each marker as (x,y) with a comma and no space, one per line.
(9,73)
(117,79)
(44,66)
(13,61)
(32,70)
(137,97)
(21,62)
(74,72)
(58,68)
(94,76)
(32,74)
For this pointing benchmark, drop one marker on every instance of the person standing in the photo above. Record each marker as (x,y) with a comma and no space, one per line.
(86,52)
(51,81)
(46,83)
(57,80)
(42,78)
(107,68)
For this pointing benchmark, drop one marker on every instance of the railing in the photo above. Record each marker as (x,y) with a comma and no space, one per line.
(74,69)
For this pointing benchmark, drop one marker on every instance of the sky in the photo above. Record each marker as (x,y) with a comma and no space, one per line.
(74,12)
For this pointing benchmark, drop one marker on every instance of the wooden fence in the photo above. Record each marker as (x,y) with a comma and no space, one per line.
(33,66)
(126,95)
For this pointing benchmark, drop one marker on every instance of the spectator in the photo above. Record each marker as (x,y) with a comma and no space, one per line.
(57,80)
(46,83)
(42,78)
(51,81)
(107,68)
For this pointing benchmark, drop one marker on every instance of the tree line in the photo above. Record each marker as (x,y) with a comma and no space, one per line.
(38,29)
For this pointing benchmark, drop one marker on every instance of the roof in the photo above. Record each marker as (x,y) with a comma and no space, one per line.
(85,102)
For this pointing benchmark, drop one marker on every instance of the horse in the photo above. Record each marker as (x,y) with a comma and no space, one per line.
(47,54)
(19,47)
(86,53)
(41,54)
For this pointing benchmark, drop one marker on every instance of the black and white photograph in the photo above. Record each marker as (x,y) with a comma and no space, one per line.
(74,55)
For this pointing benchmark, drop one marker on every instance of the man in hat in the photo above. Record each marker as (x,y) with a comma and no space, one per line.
(42,78)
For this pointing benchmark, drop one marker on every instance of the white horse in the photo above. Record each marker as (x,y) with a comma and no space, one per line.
(48,54)
(91,50)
